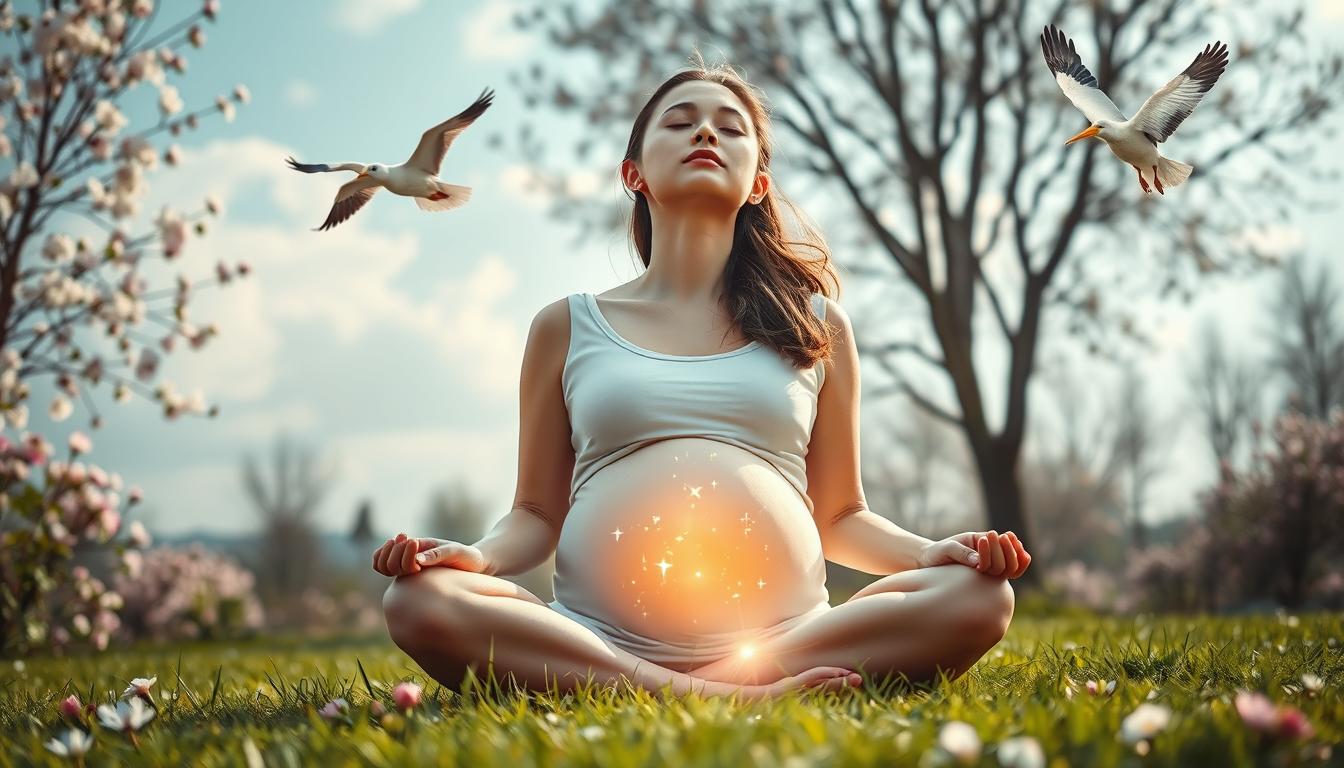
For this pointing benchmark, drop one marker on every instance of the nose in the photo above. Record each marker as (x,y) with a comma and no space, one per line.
(707,133)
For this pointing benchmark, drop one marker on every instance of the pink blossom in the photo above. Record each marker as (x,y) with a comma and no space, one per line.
(70,706)
(335,708)
(406,695)
(1280,721)
(80,443)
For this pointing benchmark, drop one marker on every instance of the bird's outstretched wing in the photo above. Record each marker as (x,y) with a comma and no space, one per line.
(428,154)
(323,167)
(350,197)
(1173,102)
(1074,79)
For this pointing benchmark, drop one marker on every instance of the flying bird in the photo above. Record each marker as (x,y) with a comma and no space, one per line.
(1135,140)
(418,177)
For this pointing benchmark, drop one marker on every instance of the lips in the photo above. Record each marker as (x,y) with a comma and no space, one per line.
(705,153)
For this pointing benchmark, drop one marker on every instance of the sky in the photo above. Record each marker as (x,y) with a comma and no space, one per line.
(391,344)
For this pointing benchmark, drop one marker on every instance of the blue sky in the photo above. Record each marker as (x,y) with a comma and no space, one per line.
(392,343)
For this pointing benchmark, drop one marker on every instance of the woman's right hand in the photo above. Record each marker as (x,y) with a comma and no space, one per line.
(826,678)
(402,556)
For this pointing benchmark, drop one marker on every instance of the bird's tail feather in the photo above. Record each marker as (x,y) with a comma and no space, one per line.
(456,196)
(1172,172)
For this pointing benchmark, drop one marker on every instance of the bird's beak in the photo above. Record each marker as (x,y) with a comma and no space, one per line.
(362,174)
(1086,133)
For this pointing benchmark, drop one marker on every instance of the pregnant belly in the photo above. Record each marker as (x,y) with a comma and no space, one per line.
(687,537)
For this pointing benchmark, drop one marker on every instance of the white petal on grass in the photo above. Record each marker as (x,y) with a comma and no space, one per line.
(960,740)
(1146,721)
(1021,752)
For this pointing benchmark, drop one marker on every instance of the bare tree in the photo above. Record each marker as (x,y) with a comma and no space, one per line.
(288,558)
(1308,338)
(1226,393)
(942,131)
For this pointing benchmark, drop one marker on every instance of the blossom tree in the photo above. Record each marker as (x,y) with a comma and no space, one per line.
(75,306)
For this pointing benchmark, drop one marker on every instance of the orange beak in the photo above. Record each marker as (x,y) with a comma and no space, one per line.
(362,174)
(1086,133)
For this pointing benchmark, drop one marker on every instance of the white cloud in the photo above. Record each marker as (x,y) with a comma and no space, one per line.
(1331,9)
(300,93)
(262,422)
(489,33)
(519,181)
(364,18)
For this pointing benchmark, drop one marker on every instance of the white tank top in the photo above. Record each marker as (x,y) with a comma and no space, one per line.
(622,397)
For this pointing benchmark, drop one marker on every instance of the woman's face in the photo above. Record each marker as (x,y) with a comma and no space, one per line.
(698,115)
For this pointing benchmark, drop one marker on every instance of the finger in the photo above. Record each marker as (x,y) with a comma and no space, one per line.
(408,564)
(982,547)
(1023,558)
(441,555)
(384,552)
(376,553)
(1009,555)
(394,559)
(996,552)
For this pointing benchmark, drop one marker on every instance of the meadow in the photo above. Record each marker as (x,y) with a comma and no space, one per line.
(1086,691)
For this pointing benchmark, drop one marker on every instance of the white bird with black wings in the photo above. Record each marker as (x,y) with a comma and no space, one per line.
(418,177)
(1135,140)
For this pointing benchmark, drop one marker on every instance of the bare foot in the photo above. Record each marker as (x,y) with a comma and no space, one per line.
(826,678)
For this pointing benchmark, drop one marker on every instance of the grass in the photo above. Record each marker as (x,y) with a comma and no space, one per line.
(216,703)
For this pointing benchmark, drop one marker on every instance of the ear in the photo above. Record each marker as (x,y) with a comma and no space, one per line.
(630,175)
(758,188)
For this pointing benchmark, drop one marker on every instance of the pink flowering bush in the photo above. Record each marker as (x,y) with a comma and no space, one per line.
(188,592)
(1273,532)
(1074,584)
(79,307)
(45,598)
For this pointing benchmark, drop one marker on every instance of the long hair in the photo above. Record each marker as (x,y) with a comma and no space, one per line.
(769,282)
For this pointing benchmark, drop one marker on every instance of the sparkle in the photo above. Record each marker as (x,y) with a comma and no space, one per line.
(760,584)
(697,574)
(656,519)
(736,595)
(714,483)
(664,565)
(747,651)
(695,491)
(617,533)
(744,519)
(712,454)
(646,613)
(678,538)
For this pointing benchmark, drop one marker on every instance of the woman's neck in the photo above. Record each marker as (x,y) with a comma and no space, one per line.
(690,250)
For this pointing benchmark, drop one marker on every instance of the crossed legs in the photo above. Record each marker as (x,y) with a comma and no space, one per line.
(912,623)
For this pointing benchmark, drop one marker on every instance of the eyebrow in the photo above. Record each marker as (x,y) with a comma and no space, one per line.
(691,106)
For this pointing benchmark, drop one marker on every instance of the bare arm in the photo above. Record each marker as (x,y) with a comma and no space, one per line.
(528,534)
(851,534)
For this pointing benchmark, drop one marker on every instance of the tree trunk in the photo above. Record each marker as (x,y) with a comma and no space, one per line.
(1002,492)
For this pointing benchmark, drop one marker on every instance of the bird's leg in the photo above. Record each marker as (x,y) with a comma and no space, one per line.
(1158,182)
(1142,182)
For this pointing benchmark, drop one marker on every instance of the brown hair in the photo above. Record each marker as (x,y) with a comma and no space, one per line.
(769,285)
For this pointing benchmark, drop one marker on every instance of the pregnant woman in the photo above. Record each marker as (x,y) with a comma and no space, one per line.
(689,449)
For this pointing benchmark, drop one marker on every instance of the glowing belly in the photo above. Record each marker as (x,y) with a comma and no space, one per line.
(688,536)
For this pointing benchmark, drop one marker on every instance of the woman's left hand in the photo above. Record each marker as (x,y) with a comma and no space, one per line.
(988,552)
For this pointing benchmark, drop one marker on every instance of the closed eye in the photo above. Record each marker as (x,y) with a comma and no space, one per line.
(730,130)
